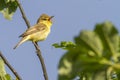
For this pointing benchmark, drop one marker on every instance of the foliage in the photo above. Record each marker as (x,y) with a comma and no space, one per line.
(3,74)
(8,8)
(95,55)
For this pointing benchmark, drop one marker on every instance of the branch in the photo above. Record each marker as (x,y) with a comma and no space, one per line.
(23,14)
(10,67)
(35,44)
(41,60)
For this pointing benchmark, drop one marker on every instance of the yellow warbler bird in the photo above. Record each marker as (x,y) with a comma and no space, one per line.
(38,32)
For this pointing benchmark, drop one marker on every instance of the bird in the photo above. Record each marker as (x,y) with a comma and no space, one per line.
(37,32)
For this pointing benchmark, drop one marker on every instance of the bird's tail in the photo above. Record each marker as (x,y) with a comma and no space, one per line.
(21,41)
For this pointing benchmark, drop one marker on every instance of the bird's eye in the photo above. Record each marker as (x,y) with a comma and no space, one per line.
(45,19)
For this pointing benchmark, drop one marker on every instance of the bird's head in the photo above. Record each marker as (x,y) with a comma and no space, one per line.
(45,17)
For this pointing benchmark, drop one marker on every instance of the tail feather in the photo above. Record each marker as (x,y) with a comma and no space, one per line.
(21,41)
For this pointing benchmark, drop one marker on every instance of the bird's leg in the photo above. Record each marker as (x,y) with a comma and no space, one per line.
(36,45)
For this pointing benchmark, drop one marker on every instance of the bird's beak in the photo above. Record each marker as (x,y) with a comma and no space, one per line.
(51,17)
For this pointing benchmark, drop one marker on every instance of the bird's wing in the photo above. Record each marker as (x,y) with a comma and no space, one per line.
(34,29)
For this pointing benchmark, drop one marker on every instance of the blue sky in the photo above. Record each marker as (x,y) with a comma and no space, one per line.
(71,16)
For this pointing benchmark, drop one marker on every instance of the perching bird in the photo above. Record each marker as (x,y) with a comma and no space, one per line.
(38,32)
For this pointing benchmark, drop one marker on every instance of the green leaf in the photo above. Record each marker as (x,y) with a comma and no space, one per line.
(3,74)
(64,45)
(110,39)
(8,77)
(93,53)
(101,75)
(2,5)
(2,67)
(90,41)
(2,70)
(8,8)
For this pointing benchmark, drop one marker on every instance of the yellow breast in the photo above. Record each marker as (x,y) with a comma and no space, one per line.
(42,35)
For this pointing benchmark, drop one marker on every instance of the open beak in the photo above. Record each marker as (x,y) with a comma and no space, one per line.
(51,17)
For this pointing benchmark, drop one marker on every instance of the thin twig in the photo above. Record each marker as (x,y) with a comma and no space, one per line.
(10,67)
(23,14)
(35,44)
(42,60)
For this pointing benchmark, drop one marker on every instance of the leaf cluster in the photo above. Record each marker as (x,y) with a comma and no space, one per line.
(8,8)
(3,74)
(94,55)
